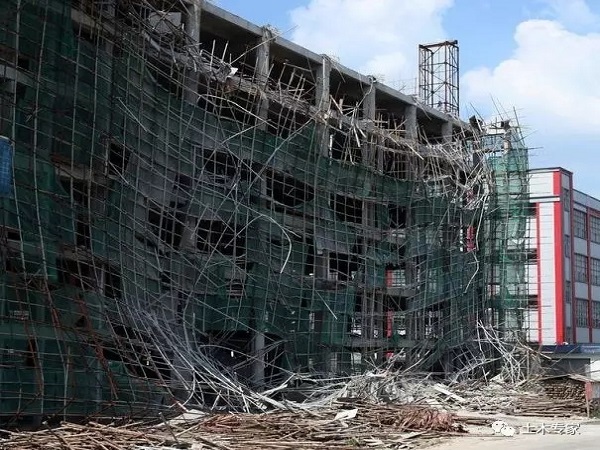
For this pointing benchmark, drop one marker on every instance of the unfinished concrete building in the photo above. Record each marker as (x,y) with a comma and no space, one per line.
(196,208)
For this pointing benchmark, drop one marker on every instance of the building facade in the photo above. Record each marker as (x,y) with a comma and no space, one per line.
(192,203)
(564,273)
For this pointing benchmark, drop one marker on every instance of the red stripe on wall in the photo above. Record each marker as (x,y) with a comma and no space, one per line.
(559,260)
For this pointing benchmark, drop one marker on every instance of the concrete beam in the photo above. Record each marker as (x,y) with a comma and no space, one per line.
(214,10)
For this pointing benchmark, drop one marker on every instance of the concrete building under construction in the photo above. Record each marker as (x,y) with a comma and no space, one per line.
(194,206)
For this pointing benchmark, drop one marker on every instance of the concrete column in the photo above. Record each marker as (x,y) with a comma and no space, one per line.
(410,119)
(262,70)
(369,109)
(447,133)
(322,261)
(412,133)
(258,350)
(322,102)
(191,24)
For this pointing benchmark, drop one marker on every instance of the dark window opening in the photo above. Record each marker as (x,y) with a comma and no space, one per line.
(139,361)
(165,278)
(395,165)
(309,262)
(344,146)
(78,191)
(11,234)
(288,191)
(82,322)
(532,255)
(318,321)
(397,216)
(11,264)
(530,209)
(112,283)
(532,301)
(31,355)
(76,273)
(462,177)
(168,77)
(182,191)
(118,157)
(235,104)
(87,35)
(219,168)
(167,226)
(342,267)
(8,54)
(347,209)
(214,235)
(284,122)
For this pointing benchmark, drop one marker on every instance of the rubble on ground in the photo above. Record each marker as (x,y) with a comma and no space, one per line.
(380,409)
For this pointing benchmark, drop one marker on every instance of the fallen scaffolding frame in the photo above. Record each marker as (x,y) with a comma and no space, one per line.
(200,221)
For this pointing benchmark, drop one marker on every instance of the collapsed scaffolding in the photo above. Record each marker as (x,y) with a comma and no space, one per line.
(189,220)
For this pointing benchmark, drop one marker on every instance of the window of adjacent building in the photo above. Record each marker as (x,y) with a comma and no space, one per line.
(582,313)
(595,229)
(568,292)
(567,246)
(568,334)
(579,224)
(596,314)
(595,271)
(566,199)
(581,268)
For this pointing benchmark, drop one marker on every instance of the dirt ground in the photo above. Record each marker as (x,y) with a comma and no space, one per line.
(530,433)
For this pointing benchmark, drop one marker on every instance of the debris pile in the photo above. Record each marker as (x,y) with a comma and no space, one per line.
(380,409)
(343,425)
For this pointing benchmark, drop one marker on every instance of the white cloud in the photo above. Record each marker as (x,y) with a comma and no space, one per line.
(552,77)
(571,13)
(372,36)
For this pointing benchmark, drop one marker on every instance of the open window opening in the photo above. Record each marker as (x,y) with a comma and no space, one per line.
(137,355)
(345,146)
(218,168)
(216,235)
(287,190)
(167,226)
(342,267)
(309,260)
(112,283)
(285,122)
(347,209)
(397,216)
(182,194)
(76,273)
(82,322)
(31,355)
(118,158)
(78,191)
(395,164)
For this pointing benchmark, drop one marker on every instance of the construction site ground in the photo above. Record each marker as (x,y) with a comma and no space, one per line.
(531,433)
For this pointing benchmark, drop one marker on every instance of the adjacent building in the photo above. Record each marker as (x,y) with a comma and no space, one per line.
(564,272)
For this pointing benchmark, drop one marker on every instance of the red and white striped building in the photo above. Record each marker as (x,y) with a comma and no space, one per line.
(564,278)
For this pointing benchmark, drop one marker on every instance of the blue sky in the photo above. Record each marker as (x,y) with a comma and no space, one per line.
(540,57)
